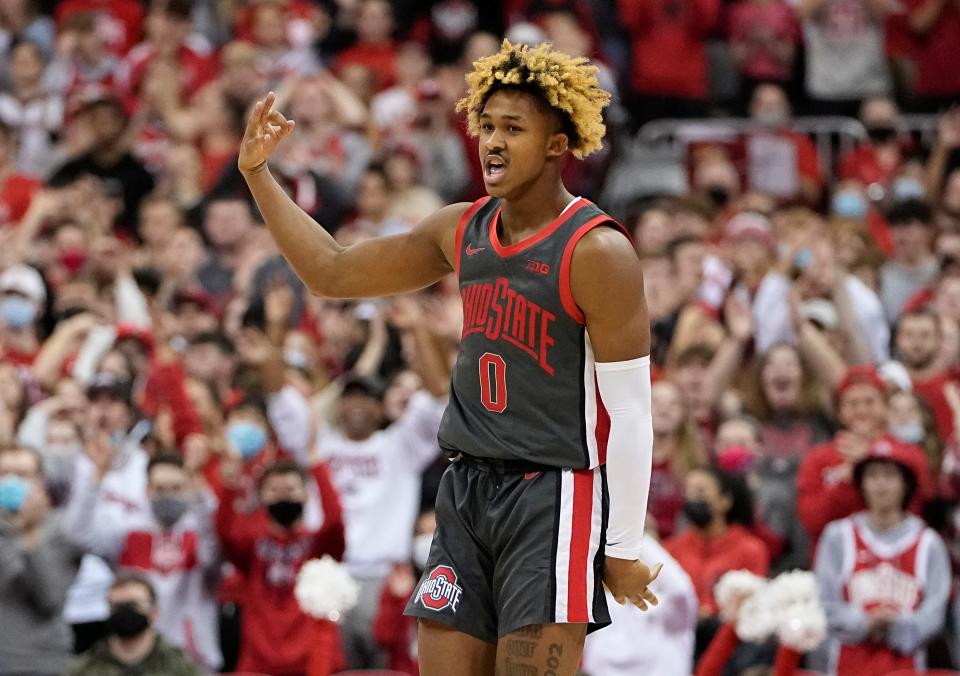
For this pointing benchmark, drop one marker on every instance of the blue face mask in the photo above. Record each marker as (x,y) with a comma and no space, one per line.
(247,438)
(17,312)
(13,491)
(907,188)
(849,204)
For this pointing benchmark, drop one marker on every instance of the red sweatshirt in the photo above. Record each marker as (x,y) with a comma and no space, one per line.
(270,558)
(707,559)
(824,495)
(668,45)
(396,632)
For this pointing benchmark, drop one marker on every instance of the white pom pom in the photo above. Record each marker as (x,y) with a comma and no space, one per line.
(756,620)
(802,624)
(325,589)
(733,588)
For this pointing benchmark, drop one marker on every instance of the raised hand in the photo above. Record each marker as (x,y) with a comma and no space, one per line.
(254,347)
(266,128)
(738,318)
(278,302)
(100,450)
(630,581)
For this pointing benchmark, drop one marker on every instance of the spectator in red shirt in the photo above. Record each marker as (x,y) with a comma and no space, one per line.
(269,546)
(825,490)
(676,451)
(719,509)
(763,40)
(936,27)
(877,159)
(669,61)
(375,48)
(917,341)
(168,29)
(16,189)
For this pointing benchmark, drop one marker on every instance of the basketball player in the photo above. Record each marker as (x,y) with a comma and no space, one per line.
(548,424)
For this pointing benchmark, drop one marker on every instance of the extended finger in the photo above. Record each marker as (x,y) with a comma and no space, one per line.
(639,602)
(254,120)
(650,597)
(656,571)
(267,106)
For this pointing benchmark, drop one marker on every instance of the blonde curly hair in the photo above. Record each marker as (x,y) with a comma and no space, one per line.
(567,83)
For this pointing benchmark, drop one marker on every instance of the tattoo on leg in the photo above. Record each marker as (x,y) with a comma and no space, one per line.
(519,669)
(531,631)
(518,648)
(553,659)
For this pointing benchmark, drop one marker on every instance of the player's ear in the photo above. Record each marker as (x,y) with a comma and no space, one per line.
(557,144)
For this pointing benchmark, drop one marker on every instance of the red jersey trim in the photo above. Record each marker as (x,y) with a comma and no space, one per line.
(578,606)
(511,249)
(461,228)
(566,293)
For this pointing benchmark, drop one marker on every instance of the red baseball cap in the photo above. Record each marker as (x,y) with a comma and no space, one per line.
(908,456)
(860,375)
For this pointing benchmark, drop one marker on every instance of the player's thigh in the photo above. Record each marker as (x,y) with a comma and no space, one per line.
(444,651)
(541,650)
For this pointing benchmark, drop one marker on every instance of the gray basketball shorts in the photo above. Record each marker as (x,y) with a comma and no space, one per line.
(513,549)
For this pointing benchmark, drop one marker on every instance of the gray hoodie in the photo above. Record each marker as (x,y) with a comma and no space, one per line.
(35,639)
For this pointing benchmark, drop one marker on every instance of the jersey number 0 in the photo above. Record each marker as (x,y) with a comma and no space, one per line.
(493,382)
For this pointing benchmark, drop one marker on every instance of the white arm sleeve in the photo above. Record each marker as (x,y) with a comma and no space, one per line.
(625,390)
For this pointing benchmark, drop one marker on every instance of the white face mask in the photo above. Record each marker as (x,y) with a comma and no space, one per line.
(421,549)
(910,433)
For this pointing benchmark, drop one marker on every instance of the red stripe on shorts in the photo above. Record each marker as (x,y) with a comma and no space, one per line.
(577,602)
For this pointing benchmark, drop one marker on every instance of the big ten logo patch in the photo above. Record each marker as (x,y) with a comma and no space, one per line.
(440,590)
(538,267)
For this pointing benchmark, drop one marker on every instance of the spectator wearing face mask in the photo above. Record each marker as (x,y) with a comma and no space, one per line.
(393,630)
(174,546)
(912,422)
(22,298)
(876,160)
(825,488)
(719,509)
(37,564)
(133,645)
(884,576)
(268,547)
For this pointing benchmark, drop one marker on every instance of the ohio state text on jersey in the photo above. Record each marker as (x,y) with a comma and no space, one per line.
(524,386)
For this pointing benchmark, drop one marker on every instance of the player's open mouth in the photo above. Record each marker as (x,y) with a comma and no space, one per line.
(494,167)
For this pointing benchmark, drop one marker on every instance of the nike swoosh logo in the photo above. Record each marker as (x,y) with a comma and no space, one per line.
(530,475)
(471,250)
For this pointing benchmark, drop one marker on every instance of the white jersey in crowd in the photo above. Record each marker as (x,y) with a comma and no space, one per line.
(379,484)
(182,564)
(123,501)
(659,641)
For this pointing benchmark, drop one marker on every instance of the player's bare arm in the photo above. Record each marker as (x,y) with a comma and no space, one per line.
(607,284)
(376,267)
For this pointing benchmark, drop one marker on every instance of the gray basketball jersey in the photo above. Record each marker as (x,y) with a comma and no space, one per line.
(524,386)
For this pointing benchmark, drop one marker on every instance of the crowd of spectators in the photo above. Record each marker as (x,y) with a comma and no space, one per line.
(182,425)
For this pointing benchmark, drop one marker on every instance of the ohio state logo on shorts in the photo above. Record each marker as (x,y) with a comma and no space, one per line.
(440,590)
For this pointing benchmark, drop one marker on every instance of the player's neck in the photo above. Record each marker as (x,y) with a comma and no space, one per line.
(526,215)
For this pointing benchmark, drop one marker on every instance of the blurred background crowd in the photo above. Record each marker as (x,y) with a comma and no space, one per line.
(182,426)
